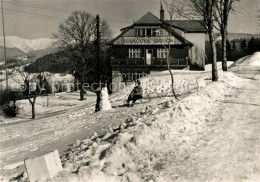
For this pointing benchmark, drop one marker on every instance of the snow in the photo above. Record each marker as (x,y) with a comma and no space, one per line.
(104,102)
(62,81)
(208,67)
(251,60)
(157,140)
(27,45)
(152,141)
(248,66)
(56,102)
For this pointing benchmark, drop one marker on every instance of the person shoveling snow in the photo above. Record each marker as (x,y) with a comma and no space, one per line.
(136,94)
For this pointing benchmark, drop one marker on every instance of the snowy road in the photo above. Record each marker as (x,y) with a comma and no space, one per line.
(58,132)
(230,149)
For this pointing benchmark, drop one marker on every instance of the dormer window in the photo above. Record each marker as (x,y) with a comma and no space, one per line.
(156,32)
(140,32)
(147,32)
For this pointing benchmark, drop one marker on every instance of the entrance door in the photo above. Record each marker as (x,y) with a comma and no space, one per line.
(149,56)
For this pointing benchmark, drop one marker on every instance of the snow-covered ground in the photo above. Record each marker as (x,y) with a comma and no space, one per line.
(248,66)
(161,139)
(149,146)
(56,101)
(251,60)
(16,79)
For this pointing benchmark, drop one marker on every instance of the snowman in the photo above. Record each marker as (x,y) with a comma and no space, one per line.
(104,102)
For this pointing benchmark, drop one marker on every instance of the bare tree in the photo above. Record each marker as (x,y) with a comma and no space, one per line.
(28,91)
(223,9)
(170,9)
(77,36)
(201,10)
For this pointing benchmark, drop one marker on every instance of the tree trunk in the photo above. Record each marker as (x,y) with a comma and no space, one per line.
(33,110)
(172,79)
(81,91)
(224,48)
(213,56)
(168,62)
(81,94)
(32,102)
(173,91)
(224,34)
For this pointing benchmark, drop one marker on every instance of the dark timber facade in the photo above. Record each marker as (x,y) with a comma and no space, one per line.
(143,47)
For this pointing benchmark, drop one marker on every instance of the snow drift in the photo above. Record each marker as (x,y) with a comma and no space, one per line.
(251,60)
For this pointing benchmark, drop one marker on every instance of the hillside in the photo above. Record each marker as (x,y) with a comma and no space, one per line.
(53,62)
(27,45)
(10,53)
(233,36)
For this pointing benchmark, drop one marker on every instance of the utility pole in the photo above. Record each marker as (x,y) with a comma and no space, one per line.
(98,42)
(6,71)
(97,108)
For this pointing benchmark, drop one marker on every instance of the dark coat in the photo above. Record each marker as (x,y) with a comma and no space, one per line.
(138,90)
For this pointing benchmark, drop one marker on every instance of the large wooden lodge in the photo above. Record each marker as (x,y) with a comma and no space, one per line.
(141,48)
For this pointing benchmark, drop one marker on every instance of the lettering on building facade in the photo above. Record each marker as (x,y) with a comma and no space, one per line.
(146,41)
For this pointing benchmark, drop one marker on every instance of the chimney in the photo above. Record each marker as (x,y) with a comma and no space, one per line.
(161,12)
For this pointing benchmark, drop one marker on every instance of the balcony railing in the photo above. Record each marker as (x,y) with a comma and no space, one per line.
(128,61)
(155,62)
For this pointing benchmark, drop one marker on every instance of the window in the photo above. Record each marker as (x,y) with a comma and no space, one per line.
(140,32)
(134,53)
(162,53)
(148,32)
(156,32)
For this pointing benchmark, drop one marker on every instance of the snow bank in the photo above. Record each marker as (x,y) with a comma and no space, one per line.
(247,63)
(208,67)
(159,84)
(146,146)
(251,60)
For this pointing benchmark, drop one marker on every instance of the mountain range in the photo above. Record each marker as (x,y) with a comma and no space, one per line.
(17,46)
(27,45)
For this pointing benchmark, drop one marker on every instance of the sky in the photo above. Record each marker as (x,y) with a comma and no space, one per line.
(33,19)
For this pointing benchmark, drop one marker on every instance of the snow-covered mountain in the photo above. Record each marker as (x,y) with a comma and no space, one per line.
(27,45)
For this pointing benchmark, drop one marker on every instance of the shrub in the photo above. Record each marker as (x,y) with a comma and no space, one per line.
(8,102)
(10,109)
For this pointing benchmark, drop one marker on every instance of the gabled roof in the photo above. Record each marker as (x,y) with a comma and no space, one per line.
(187,25)
(172,31)
(184,25)
(148,19)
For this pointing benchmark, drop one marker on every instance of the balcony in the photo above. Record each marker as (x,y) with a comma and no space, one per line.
(156,62)
(128,62)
